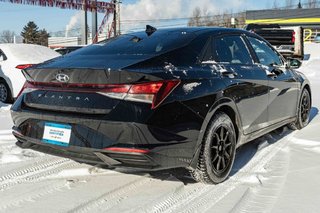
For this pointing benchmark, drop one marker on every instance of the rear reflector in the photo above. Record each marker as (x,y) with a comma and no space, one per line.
(127,150)
(150,92)
(23,66)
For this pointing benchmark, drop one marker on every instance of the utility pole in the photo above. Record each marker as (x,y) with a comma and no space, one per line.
(116,18)
(84,39)
(94,24)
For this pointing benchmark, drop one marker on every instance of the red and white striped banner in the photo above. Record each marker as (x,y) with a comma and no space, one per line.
(99,6)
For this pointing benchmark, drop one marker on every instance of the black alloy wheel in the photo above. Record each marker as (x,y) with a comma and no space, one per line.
(221,146)
(303,111)
(305,107)
(217,152)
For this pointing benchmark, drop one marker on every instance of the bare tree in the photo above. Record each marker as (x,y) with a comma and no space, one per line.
(203,18)
(288,4)
(275,5)
(226,19)
(196,18)
(312,3)
(241,17)
(7,36)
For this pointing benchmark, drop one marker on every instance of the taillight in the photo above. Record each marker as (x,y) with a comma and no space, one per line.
(293,37)
(23,66)
(150,92)
(27,87)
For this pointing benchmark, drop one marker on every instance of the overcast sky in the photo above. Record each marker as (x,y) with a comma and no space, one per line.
(14,16)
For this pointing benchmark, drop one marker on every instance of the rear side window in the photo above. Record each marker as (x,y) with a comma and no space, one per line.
(188,55)
(266,55)
(231,49)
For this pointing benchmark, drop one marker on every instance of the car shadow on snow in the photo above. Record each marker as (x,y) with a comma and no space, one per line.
(244,155)
(246,152)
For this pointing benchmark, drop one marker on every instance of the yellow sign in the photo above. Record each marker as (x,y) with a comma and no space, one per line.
(284,21)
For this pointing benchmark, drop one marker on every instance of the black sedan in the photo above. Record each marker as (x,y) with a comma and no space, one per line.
(161,99)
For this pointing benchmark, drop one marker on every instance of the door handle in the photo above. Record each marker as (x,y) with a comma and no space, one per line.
(271,75)
(227,73)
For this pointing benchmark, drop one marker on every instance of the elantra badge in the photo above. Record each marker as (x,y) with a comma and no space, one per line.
(63,78)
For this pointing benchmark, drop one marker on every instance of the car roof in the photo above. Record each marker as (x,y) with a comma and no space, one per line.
(196,30)
(28,52)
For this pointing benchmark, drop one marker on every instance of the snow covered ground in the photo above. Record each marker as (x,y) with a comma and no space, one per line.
(279,172)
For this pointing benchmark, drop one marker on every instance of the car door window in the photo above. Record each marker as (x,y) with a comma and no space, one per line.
(231,49)
(266,55)
(2,56)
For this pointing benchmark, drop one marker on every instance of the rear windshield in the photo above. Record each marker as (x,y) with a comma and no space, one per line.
(141,44)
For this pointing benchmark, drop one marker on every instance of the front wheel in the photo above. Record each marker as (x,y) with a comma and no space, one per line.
(217,151)
(303,111)
(5,93)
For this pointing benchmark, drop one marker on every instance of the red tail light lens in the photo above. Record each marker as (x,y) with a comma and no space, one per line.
(293,37)
(23,66)
(150,92)
(27,87)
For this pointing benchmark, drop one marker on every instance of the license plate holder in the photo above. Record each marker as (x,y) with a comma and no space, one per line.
(56,134)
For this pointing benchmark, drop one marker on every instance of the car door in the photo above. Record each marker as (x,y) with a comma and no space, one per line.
(246,83)
(284,88)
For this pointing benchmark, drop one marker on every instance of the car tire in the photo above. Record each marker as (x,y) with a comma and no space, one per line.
(303,111)
(217,152)
(5,92)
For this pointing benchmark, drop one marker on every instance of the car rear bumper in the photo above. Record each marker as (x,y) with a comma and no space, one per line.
(91,136)
(89,155)
(145,161)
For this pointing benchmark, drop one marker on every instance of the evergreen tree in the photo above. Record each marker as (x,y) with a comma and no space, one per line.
(43,37)
(30,33)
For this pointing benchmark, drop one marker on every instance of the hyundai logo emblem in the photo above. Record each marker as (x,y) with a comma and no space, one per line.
(62,78)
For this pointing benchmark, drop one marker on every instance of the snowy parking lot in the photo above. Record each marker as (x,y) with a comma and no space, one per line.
(279,172)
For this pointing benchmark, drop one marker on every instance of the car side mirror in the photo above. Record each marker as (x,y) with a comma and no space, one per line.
(293,63)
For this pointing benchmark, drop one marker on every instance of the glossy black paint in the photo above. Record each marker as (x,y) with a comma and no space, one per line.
(172,132)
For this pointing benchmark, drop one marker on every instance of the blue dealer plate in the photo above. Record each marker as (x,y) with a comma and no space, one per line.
(57,134)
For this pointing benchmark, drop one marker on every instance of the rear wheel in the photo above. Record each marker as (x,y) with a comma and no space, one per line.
(217,151)
(5,93)
(303,111)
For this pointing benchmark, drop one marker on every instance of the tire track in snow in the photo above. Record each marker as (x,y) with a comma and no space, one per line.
(58,184)
(199,197)
(263,197)
(112,198)
(35,172)
(182,193)
(206,201)
(32,197)
(7,140)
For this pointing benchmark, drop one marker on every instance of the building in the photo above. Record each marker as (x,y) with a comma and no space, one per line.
(309,19)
